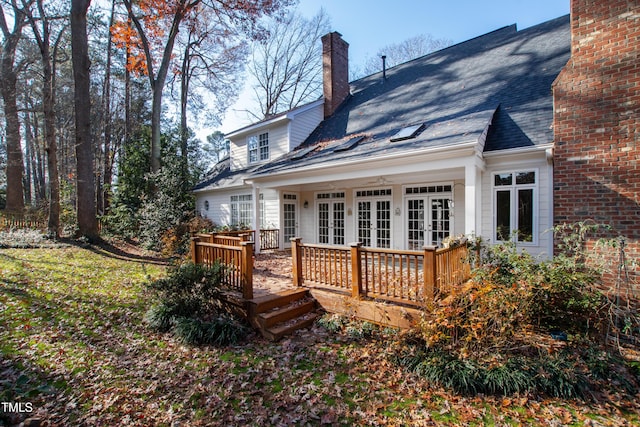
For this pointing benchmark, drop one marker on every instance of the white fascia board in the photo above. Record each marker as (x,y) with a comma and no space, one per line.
(405,162)
(257,126)
(288,116)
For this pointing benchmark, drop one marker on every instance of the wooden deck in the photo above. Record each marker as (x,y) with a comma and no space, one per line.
(387,287)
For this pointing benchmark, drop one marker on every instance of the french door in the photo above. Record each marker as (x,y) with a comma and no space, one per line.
(428,221)
(374,223)
(331,222)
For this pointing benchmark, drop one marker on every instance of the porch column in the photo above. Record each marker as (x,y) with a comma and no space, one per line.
(255,225)
(472,199)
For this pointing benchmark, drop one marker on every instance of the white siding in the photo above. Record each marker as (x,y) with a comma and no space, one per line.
(278,145)
(303,124)
(220,206)
(271,208)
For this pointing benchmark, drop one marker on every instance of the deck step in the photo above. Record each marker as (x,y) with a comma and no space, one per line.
(278,299)
(288,312)
(278,331)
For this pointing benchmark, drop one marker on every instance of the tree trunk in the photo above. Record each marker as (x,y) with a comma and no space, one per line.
(52,152)
(107,166)
(28,146)
(86,200)
(156,110)
(15,191)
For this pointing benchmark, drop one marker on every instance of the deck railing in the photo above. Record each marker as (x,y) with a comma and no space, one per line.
(408,277)
(269,237)
(236,257)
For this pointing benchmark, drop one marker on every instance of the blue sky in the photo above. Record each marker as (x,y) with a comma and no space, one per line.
(368,25)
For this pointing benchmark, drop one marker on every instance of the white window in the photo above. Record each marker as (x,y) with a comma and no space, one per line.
(258,147)
(241,210)
(515,206)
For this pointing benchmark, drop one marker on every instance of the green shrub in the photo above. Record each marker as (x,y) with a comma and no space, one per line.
(192,306)
(332,322)
(195,288)
(558,376)
(222,330)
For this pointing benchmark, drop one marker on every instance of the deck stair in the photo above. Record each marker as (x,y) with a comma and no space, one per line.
(282,313)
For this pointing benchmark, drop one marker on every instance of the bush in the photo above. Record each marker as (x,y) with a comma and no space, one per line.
(560,375)
(192,288)
(121,221)
(219,331)
(193,308)
(489,335)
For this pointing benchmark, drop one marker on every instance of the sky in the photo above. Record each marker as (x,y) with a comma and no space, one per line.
(368,25)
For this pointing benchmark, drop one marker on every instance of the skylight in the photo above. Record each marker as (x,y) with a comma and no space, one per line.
(408,132)
(301,153)
(348,145)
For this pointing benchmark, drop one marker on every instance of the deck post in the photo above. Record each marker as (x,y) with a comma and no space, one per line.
(296,258)
(246,266)
(356,270)
(430,272)
(194,250)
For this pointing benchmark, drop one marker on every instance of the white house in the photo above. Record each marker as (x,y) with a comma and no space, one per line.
(459,141)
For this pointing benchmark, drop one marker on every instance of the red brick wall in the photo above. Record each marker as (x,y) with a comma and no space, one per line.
(596,118)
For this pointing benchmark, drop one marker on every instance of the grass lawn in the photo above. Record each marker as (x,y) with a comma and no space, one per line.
(73,346)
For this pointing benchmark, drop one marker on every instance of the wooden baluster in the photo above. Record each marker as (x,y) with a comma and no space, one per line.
(356,270)
(430,272)
(296,257)
(247,269)
(194,249)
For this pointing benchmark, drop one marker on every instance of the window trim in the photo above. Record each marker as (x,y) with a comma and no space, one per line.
(236,200)
(513,212)
(258,144)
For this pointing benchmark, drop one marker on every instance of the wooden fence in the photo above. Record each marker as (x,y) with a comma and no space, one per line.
(237,257)
(408,277)
(16,221)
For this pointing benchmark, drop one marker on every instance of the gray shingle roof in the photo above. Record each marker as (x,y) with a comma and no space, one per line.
(503,78)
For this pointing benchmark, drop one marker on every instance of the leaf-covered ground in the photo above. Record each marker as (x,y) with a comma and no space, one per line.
(73,344)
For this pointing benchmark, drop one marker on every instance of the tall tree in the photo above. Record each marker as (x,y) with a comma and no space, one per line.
(41,27)
(287,65)
(11,37)
(107,120)
(157,23)
(85,182)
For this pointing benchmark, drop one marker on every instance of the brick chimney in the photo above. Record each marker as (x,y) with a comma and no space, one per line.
(335,71)
(597,121)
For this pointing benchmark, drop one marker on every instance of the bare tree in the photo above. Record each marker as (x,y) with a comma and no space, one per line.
(397,53)
(212,62)
(287,65)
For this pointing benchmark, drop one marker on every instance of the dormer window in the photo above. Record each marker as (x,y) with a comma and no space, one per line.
(258,147)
